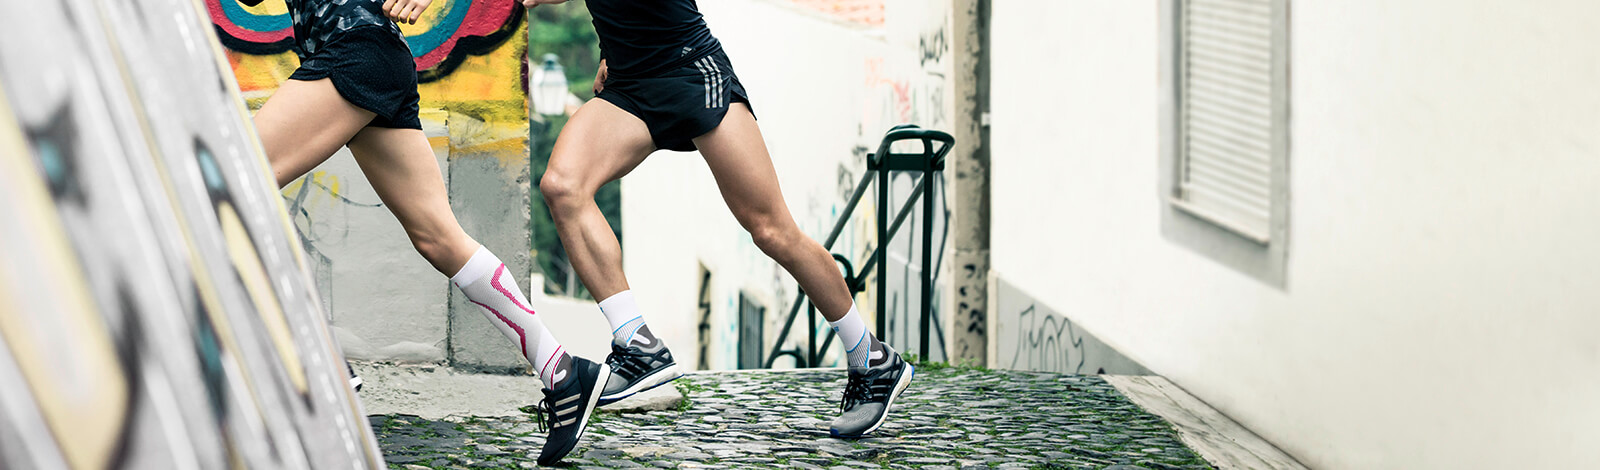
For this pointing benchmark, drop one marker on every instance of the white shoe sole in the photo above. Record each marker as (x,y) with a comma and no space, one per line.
(650,381)
(899,386)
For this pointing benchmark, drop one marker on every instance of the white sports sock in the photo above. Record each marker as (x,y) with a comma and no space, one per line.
(622,312)
(855,338)
(486,283)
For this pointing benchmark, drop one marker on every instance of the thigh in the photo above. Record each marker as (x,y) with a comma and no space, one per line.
(303,124)
(402,168)
(743,169)
(598,145)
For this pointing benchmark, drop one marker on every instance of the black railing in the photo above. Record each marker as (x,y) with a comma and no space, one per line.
(927,162)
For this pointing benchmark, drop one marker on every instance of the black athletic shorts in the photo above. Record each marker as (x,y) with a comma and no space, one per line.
(372,69)
(680,104)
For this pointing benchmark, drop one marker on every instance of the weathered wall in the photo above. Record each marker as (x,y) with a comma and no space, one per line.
(966,317)
(823,103)
(385,301)
(1036,337)
(154,309)
(1439,310)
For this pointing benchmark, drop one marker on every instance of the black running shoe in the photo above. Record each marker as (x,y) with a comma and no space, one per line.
(870,391)
(643,364)
(565,411)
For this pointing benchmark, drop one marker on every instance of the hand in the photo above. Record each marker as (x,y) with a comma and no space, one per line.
(600,78)
(405,11)
(534,3)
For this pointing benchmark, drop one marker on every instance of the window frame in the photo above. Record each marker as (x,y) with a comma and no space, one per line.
(1262,256)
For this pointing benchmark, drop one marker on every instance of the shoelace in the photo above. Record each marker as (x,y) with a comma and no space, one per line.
(544,413)
(856,390)
(615,359)
(618,362)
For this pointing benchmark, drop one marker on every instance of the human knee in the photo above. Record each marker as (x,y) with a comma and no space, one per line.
(561,190)
(774,239)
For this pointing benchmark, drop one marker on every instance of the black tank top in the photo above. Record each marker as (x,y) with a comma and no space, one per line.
(317,21)
(641,37)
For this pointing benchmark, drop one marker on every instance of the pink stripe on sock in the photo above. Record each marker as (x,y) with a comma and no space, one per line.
(496,282)
(523,337)
(549,361)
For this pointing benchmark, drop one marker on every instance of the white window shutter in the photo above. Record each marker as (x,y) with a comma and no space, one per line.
(1226,123)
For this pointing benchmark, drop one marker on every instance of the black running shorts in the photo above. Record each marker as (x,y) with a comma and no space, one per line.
(682,103)
(372,69)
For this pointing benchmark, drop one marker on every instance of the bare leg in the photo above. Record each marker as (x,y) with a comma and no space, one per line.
(401,167)
(398,162)
(738,159)
(296,140)
(600,144)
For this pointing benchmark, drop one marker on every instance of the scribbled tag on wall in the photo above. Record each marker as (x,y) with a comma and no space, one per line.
(1031,336)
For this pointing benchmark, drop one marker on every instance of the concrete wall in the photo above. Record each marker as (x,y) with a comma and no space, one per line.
(824,90)
(384,300)
(154,309)
(1442,162)
(1036,337)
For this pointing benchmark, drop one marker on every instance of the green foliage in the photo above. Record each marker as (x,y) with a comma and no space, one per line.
(924,365)
(686,389)
(566,31)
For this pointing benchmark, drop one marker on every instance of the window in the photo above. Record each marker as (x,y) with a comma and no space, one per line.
(752,317)
(1225,138)
(704,309)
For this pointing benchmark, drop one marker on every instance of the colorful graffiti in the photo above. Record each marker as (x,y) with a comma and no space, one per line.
(474,112)
(155,311)
(447,34)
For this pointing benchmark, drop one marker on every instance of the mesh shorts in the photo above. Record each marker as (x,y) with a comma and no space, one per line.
(680,104)
(372,69)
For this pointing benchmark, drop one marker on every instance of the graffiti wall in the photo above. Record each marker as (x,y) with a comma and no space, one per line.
(1028,335)
(155,309)
(469,58)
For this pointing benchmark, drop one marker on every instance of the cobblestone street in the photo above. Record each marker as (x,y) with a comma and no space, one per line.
(950,418)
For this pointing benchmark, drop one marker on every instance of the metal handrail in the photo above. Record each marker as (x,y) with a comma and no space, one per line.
(879,164)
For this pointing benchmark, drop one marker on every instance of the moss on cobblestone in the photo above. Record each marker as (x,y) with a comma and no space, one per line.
(951,416)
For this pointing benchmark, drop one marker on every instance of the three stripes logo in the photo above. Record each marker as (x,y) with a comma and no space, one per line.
(716,95)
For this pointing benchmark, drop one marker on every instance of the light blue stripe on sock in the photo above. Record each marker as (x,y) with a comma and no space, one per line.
(626,323)
(635,331)
(858,343)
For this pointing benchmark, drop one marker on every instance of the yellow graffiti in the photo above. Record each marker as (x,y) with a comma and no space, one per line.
(293,188)
(496,76)
(262,73)
(267,8)
(210,299)
(329,182)
(65,354)
(431,16)
(259,285)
